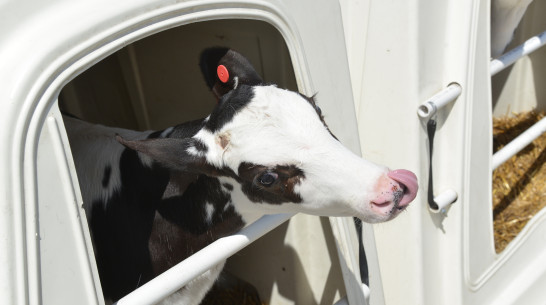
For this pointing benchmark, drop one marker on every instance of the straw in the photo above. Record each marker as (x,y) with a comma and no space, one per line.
(519,185)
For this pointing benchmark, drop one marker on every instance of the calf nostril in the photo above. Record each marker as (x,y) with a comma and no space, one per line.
(398,194)
(403,188)
(408,185)
(381,202)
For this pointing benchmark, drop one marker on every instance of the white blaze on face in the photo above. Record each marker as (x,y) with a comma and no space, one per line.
(280,127)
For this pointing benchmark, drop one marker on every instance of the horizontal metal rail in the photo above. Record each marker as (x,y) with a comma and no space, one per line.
(175,278)
(529,46)
(429,108)
(443,200)
(519,143)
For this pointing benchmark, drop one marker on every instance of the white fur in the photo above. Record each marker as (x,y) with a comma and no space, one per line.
(193,151)
(209,209)
(285,119)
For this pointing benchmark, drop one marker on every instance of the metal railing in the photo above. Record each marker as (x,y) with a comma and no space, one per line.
(427,113)
(178,276)
(533,132)
(530,45)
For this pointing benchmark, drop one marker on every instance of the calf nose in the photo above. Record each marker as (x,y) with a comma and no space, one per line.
(408,183)
(394,191)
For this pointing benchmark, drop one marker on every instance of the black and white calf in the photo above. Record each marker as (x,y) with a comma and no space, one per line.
(155,198)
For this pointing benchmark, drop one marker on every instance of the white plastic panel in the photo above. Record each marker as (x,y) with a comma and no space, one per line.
(413,49)
(298,263)
(67,267)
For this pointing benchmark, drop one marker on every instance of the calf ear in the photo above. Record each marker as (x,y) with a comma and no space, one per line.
(178,154)
(225,69)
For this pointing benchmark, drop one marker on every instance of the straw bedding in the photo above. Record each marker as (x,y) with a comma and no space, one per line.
(519,185)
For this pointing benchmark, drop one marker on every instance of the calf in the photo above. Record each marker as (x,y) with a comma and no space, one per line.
(155,198)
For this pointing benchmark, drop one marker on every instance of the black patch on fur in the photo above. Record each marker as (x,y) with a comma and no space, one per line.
(200,146)
(121,227)
(209,63)
(106,176)
(228,186)
(229,289)
(139,233)
(187,130)
(280,191)
(228,107)
(155,134)
(183,218)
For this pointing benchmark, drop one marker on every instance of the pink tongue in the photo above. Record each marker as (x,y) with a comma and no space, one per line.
(409,180)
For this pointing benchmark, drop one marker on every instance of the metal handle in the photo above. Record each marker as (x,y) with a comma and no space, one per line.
(427,112)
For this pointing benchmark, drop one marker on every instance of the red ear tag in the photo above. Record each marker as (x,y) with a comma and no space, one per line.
(223,73)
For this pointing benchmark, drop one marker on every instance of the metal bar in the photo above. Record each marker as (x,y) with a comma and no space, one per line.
(429,108)
(443,200)
(529,46)
(427,111)
(178,276)
(519,143)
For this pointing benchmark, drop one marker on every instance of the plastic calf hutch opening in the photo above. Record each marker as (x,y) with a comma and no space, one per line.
(156,83)
(533,132)
(515,100)
(427,113)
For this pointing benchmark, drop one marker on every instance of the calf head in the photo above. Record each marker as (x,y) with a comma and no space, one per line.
(278,152)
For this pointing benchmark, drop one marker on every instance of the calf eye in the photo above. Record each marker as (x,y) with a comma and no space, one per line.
(268,178)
